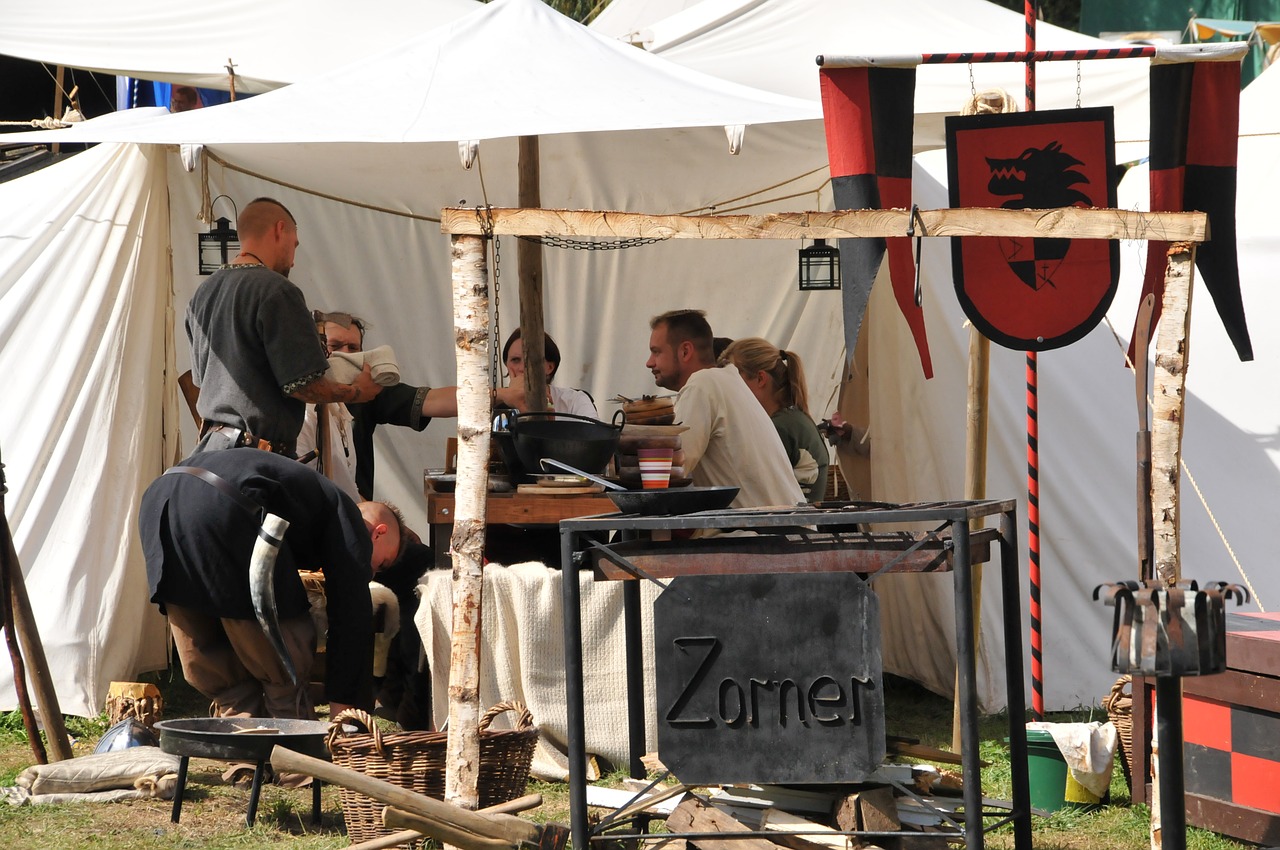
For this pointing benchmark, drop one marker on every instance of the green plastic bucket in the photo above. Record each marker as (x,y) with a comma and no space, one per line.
(1052,787)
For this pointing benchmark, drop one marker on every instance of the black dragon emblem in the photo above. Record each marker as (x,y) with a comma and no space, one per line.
(1038,178)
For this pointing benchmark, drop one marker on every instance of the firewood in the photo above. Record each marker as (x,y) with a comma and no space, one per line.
(815,836)
(693,816)
(872,810)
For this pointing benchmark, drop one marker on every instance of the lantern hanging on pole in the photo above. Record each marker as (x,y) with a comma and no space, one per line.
(217,247)
(819,266)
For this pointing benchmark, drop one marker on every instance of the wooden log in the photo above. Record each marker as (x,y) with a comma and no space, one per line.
(1169,394)
(503,827)
(803,834)
(519,804)
(471,349)
(1066,223)
(693,816)
(445,833)
(529,262)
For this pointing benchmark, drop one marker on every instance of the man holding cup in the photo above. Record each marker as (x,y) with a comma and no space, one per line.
(730,440)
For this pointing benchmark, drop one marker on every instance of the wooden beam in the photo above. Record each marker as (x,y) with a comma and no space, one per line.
(1066,223)
(529,268)
(1169,394)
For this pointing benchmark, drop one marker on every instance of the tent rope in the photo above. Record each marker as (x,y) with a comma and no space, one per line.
(317,193)
(1222,535)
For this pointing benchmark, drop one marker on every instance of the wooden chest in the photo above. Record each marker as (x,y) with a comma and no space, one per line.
(1231,736)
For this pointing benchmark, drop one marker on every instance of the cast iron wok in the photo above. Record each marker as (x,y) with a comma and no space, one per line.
(668,502)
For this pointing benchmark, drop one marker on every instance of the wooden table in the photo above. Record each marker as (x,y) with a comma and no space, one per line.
(509,509)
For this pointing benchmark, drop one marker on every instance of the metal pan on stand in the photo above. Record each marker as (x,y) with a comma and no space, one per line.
(661,502)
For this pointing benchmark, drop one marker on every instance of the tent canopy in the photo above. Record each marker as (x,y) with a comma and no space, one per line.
(511,68)
(270,44)
(772,44)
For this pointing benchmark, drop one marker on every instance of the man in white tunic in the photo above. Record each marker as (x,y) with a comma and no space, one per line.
(730,441)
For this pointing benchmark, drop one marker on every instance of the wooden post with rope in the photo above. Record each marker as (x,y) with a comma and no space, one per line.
(529,259)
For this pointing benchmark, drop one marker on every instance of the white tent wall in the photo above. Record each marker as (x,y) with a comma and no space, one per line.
(84,325)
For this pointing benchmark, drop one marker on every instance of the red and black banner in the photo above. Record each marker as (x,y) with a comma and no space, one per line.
(1195,124)
(868,112)
(1033,294)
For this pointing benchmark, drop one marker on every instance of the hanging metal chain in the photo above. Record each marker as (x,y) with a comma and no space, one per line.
(973,90)
(594,244)
(486,227)
(1077,84)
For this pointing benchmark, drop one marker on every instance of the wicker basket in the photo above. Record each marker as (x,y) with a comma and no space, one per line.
(1119,706)
(416,761)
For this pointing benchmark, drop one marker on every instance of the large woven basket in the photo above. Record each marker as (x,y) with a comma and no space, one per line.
(416,760)
(1119,706)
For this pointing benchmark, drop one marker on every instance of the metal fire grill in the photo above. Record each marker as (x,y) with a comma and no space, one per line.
(830,538)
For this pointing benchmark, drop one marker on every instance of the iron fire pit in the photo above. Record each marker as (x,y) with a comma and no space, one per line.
(248,739)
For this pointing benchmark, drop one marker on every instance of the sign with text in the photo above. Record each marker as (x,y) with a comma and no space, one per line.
(769,678)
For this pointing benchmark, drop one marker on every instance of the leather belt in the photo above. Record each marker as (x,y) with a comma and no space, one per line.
(240,438)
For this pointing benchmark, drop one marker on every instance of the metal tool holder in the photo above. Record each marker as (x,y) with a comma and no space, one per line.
(824,538)
(1168,632)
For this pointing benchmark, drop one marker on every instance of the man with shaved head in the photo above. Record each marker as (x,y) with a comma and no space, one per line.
(199,524)
(255,353)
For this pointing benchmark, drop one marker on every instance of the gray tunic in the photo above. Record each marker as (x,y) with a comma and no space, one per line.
(251,335)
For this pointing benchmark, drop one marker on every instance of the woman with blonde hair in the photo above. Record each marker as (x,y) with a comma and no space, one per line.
(776,378)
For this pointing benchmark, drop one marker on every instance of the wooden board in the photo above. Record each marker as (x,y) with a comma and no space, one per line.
(558,489)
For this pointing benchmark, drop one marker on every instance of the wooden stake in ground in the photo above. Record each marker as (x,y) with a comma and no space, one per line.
(471,347)
(22,624)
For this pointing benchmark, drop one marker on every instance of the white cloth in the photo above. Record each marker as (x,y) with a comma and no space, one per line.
(732,442)
(566,400)
(1089,750)
(345,366)
(342,450)
(522,656)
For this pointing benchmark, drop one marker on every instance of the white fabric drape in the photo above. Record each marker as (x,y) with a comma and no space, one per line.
(88,418)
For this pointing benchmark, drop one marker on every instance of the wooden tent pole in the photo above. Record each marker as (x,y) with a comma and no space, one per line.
(24,625)
(529,259)
(471,348)
(975,481)
(1169,394)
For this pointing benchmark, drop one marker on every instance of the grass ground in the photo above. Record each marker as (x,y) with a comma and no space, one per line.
(213,813)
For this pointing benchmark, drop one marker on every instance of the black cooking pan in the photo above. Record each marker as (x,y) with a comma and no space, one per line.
(662,502)
(242,738)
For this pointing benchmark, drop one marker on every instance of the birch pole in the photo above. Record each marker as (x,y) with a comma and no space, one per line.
(1169,404)
(471,348)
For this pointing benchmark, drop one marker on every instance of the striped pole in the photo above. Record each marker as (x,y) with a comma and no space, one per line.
(1033,451)
(841,61)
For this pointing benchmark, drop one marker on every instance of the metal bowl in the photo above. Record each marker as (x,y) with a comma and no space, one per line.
(243,738)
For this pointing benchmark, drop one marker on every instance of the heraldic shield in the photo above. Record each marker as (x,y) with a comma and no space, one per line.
(1033,294)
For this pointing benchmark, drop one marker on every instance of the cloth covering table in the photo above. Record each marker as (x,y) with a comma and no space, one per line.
(522,656)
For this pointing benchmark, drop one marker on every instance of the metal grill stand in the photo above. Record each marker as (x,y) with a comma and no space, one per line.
(805,539)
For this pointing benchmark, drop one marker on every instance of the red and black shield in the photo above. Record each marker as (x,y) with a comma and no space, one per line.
(1033,294)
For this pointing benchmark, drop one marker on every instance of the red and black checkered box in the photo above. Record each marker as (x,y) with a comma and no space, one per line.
(1231,736)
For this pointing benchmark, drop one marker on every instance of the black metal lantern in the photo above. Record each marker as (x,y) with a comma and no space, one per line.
(819,266)
(218,246)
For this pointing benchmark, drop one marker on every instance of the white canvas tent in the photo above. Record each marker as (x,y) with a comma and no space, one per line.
(388,261)
(369,245)
(269,44)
